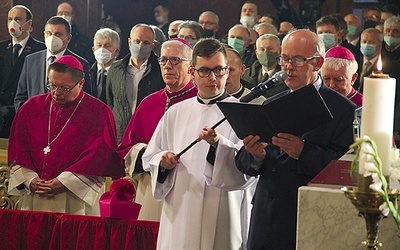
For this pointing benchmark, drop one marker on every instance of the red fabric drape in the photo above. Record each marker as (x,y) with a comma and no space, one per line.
(26,229)
(39,230)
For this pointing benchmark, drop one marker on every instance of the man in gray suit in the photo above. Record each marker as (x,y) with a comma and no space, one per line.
(33,79)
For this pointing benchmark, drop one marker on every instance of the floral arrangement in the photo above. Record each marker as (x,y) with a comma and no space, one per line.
(368,163)
(123,189)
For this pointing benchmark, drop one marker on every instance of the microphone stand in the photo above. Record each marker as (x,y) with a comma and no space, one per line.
(223,119)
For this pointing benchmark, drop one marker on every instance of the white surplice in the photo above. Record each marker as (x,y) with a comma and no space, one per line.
(82,197)
(202,202)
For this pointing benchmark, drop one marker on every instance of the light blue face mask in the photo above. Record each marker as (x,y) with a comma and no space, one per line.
(328,39)
(368,50)
(391,41)
(237,44)
(352,31)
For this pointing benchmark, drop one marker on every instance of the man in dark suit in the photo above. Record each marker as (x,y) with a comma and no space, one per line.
(33,79)
(106,45)
(290,161)
(371,48)
(79,44)
(12,55)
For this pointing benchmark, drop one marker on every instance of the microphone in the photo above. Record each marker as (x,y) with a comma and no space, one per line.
(277,78)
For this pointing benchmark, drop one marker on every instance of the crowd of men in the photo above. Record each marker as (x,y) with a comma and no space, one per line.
(74,114)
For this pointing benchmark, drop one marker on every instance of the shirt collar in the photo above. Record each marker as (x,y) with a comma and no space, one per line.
(22,43)
(58,55)
(213,100)
(99,68)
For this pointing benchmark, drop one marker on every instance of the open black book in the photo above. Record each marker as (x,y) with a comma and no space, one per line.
(295,113)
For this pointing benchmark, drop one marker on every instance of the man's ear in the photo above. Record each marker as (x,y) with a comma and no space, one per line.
(319,63)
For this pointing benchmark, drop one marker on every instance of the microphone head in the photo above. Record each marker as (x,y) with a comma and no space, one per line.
(281,76)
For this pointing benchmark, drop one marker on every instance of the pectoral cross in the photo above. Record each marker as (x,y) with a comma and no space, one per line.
(46,150)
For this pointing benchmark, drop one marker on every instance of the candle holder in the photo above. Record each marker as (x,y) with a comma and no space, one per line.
(367,202)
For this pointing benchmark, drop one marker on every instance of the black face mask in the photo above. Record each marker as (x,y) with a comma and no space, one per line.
(173,36)
(208,33)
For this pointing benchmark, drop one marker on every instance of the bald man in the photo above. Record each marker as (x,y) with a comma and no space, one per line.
(291,161)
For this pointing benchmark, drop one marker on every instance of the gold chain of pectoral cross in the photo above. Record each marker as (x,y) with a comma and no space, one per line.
(169,99)
(47,149)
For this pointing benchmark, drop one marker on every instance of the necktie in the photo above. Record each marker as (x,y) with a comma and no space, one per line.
(16,49)
(51,59)
(101,82)
(364,73)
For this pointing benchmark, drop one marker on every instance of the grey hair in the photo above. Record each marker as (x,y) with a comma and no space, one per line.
(268,37)
(186,50)
(336,63)
(109,34)
(392,21)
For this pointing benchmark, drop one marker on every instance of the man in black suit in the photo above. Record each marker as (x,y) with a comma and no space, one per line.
(106,46)
(291,161)
(12,55)
(79,44)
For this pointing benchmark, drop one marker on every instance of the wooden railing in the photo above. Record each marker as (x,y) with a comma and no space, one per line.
(6,200)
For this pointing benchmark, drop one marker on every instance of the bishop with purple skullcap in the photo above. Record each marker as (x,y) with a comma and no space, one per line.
(340,52)
(70,61)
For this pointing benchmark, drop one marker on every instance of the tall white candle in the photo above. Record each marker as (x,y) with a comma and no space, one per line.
(377,115)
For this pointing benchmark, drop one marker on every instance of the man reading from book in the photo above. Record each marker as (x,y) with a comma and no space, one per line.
(292,161)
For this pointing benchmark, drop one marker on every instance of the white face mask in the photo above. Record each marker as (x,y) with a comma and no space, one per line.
(53,43)
(102,55)
(247,21)
(159,19)
(67,17)
(15,29)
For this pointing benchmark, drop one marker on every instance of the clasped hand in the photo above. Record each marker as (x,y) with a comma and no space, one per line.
(48,188)
(169,160)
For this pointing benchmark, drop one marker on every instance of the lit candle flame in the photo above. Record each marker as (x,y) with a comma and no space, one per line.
(379,64)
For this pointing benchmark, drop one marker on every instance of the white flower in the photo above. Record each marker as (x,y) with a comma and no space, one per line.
(394,174)
(376,183)
(370,168)
(366,148)
(384,208)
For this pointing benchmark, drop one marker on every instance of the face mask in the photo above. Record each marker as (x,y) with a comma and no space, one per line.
(391,41)
(328,40)
(67,17)
(236,44)
(352,31)
(139,52)
(208,33)
(173,36)
(15,29)
(267,58)
(247,21)
(191,42)
(159,19)
(53,43)
(368,50)
(102,55)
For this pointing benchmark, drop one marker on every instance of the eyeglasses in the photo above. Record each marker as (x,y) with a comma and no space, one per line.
(173,60)
(296,61)
(63,89)
(205,72)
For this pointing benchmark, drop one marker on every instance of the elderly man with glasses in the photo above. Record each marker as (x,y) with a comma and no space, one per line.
(62,146)
(291,161)
(200,211)
(176,56)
